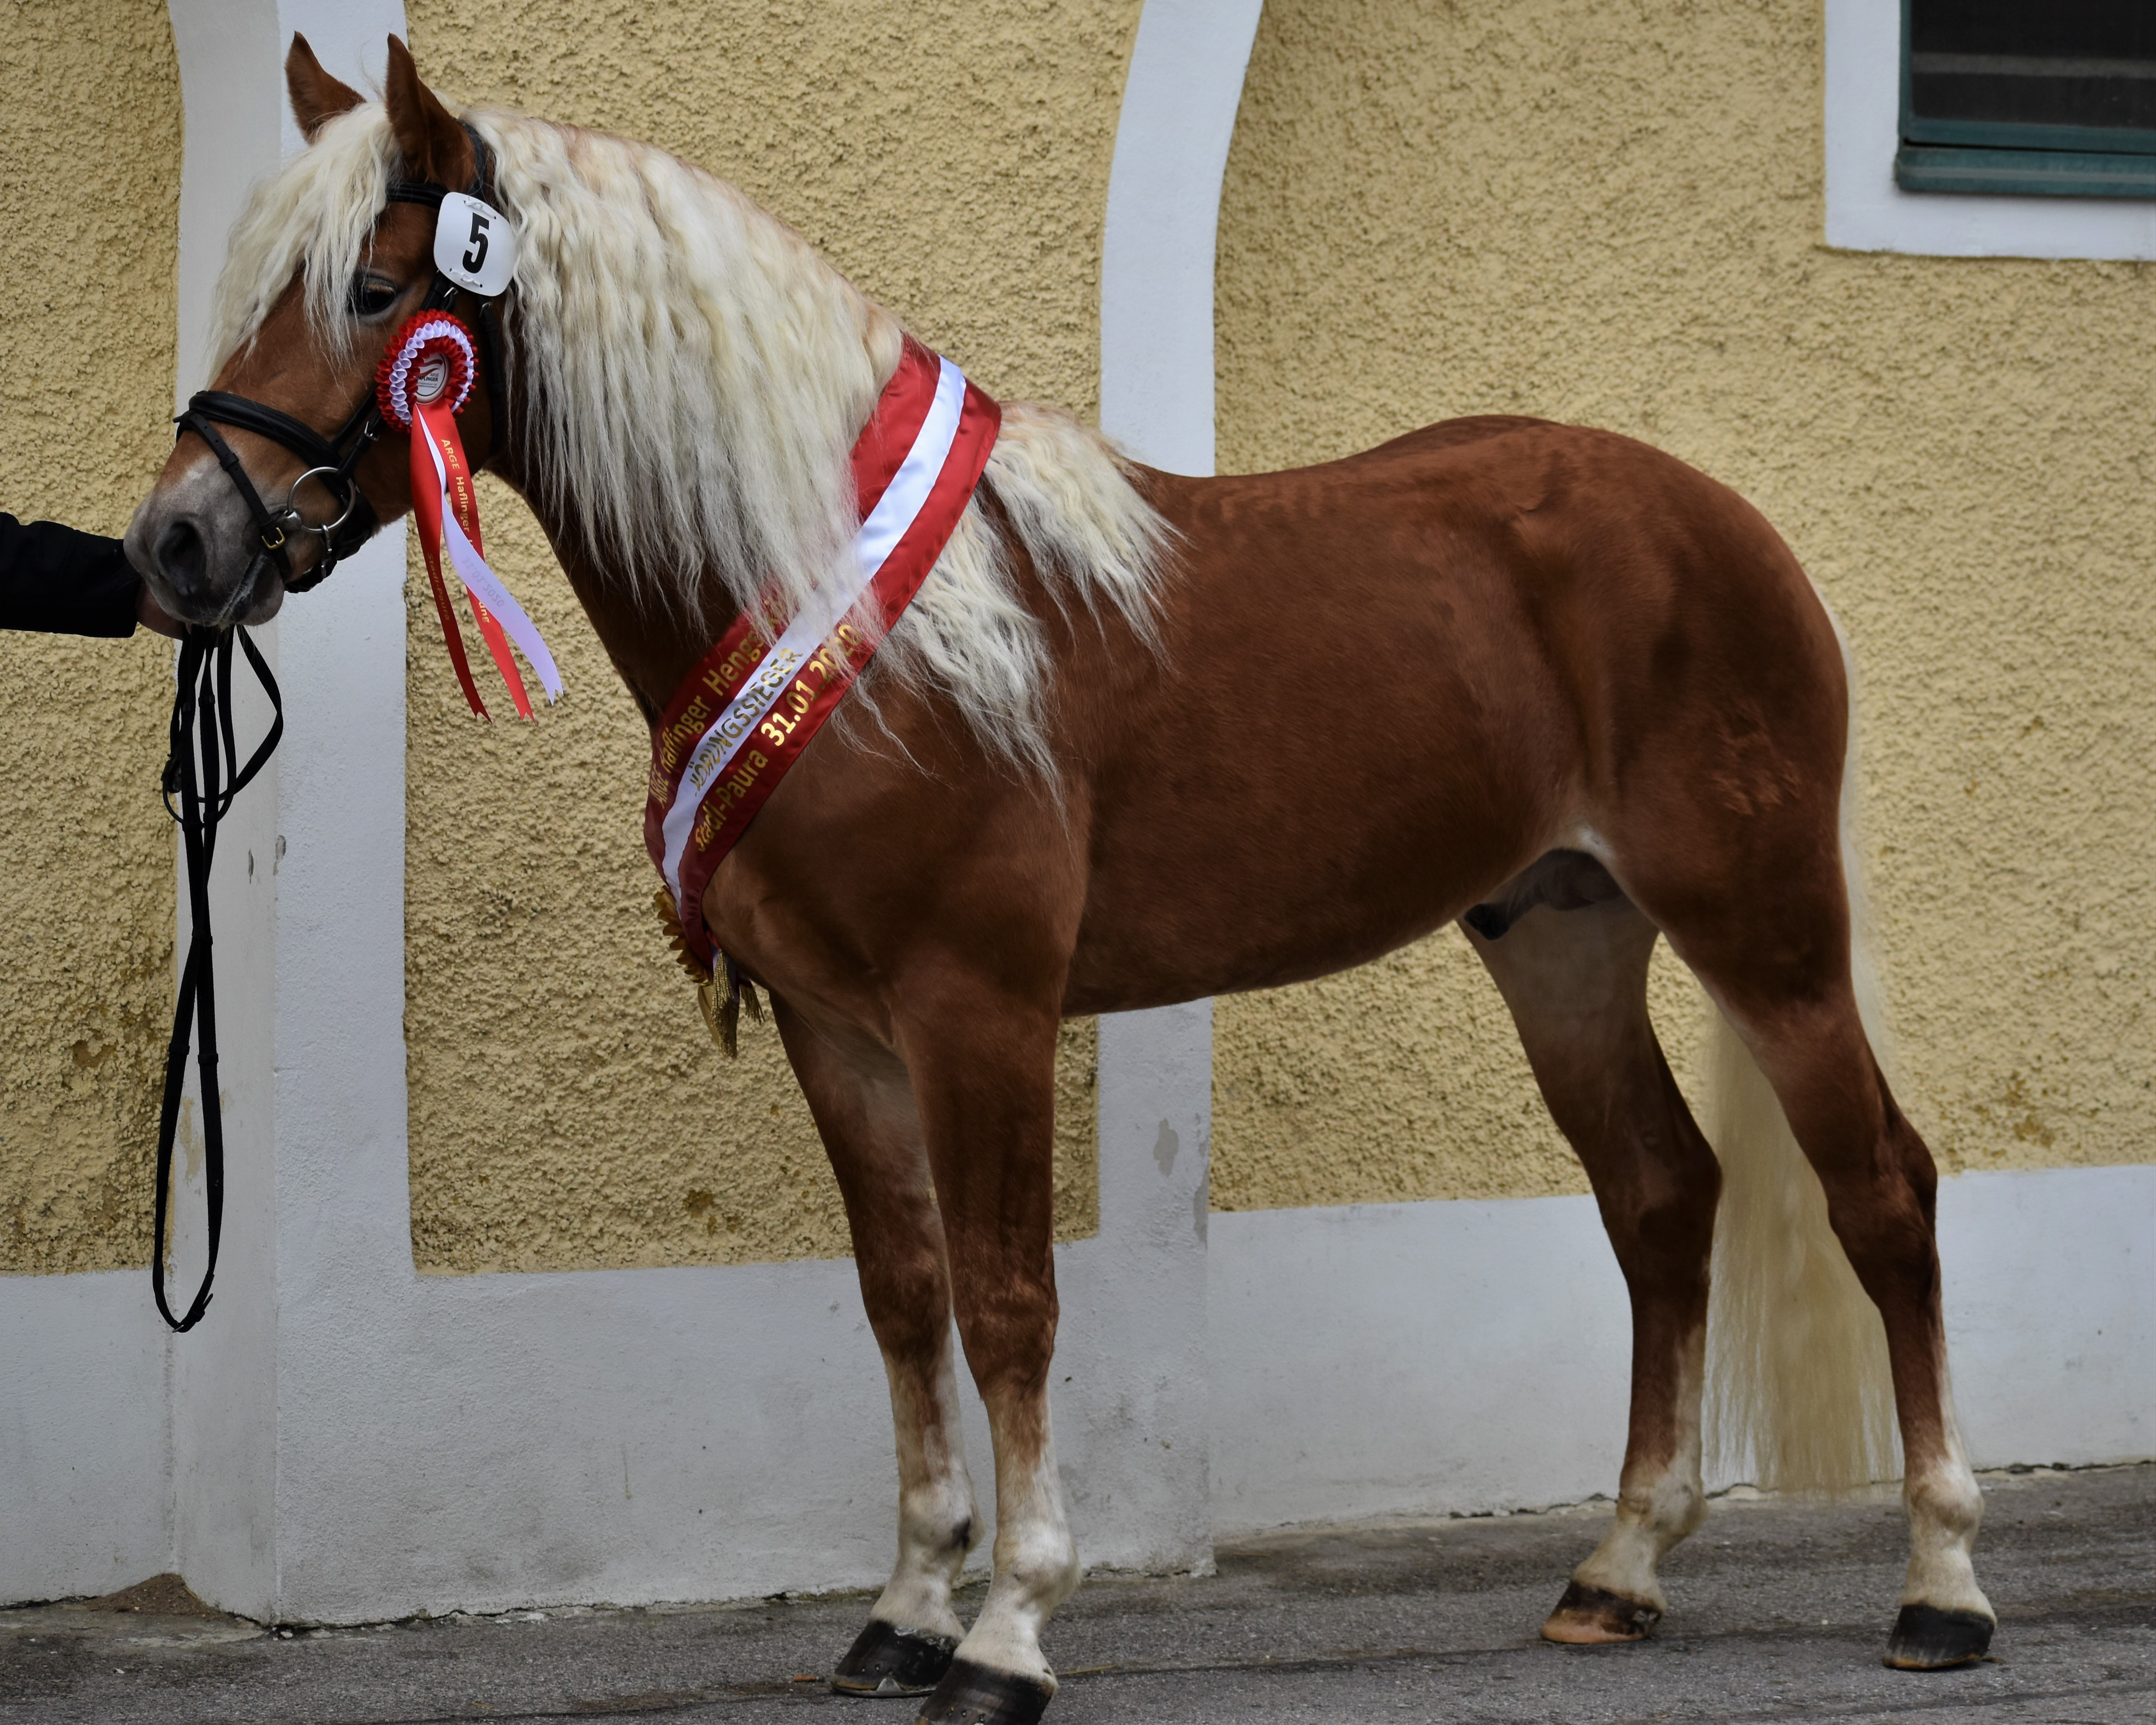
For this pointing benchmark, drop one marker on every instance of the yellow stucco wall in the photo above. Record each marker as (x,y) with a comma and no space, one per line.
(90,187)
(1611,212)
(567,1109)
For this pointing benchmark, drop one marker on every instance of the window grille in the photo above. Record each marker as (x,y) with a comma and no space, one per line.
(2049,97)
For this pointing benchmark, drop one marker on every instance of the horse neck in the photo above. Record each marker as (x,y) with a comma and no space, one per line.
(655,632)
(653,643)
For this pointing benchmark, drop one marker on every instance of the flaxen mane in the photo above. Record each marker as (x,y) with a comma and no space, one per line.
(696,377)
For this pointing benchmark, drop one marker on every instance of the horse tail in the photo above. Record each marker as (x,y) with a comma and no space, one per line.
(1799,1394)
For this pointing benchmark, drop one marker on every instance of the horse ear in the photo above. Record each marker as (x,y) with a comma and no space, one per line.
(433,144)
(317,98)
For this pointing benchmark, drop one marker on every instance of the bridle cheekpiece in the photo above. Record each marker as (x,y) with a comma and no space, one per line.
(474,256)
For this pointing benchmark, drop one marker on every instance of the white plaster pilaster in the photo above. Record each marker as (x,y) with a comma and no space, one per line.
(1156,1114)
(1179,102)
(1180,97)
(306,894)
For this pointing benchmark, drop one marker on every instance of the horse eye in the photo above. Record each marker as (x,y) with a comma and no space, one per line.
(372,296)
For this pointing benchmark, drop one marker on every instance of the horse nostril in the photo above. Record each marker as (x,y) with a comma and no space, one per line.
(180,558)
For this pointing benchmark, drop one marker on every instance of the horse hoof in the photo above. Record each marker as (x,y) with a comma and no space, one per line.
(1927,1639)
(885,1659)
(973,1695)
(1594,1617)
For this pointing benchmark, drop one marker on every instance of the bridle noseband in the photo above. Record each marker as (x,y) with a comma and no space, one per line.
(333,460)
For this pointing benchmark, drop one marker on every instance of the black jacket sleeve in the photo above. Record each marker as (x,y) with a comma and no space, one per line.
(63,581)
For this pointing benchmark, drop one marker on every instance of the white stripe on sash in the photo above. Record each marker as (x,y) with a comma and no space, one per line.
(896,511)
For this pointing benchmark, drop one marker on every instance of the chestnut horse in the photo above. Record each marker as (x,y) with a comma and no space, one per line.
(1143,738)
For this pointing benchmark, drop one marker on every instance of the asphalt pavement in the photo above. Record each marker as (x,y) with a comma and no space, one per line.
(1778,1611)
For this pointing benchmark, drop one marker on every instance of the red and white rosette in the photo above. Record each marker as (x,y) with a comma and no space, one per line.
(424,379)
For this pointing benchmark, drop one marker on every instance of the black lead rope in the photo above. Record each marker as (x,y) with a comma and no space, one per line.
(202,770)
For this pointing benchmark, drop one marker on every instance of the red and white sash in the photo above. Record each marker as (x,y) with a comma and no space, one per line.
(743,717)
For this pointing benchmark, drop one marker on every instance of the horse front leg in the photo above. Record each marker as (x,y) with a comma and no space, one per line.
(984,1082)
(864,1110)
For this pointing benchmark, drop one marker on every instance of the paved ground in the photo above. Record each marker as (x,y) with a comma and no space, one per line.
(1779,1612)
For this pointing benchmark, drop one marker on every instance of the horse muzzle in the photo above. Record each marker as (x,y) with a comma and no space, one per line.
(194,543)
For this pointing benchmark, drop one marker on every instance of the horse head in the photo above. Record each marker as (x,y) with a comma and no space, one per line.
(314,289)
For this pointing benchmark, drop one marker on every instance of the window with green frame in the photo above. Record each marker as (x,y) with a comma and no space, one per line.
(2048,96)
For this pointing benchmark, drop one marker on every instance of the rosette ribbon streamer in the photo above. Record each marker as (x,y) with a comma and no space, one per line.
(425,380)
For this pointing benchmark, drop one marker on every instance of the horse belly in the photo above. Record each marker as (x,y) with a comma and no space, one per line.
(1355,738)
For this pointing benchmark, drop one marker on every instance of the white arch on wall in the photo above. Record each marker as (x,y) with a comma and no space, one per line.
(343,1439)
(1156,255)
(1155,1094)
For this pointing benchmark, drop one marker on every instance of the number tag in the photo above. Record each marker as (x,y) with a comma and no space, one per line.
(475,245)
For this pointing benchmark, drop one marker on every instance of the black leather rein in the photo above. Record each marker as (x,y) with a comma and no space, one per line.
(203,773)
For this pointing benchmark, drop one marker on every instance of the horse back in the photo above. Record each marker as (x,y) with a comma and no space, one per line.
(1452,433)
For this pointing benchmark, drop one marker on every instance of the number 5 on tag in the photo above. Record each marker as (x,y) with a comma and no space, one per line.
(475,245)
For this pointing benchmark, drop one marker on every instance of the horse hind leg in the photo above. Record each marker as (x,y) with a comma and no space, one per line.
(1880,1187)
(1570,956)
(863,1112)
(1782,967)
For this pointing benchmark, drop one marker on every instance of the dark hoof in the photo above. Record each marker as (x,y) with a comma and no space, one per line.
(1927,1639)
(973,1695)
(887,1661)
(1594,1617)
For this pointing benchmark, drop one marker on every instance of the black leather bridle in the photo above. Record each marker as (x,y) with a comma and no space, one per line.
(334,459)
(204,770)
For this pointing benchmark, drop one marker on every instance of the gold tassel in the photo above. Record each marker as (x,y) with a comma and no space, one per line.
(721,1015)
(719,1006)
(663,902)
